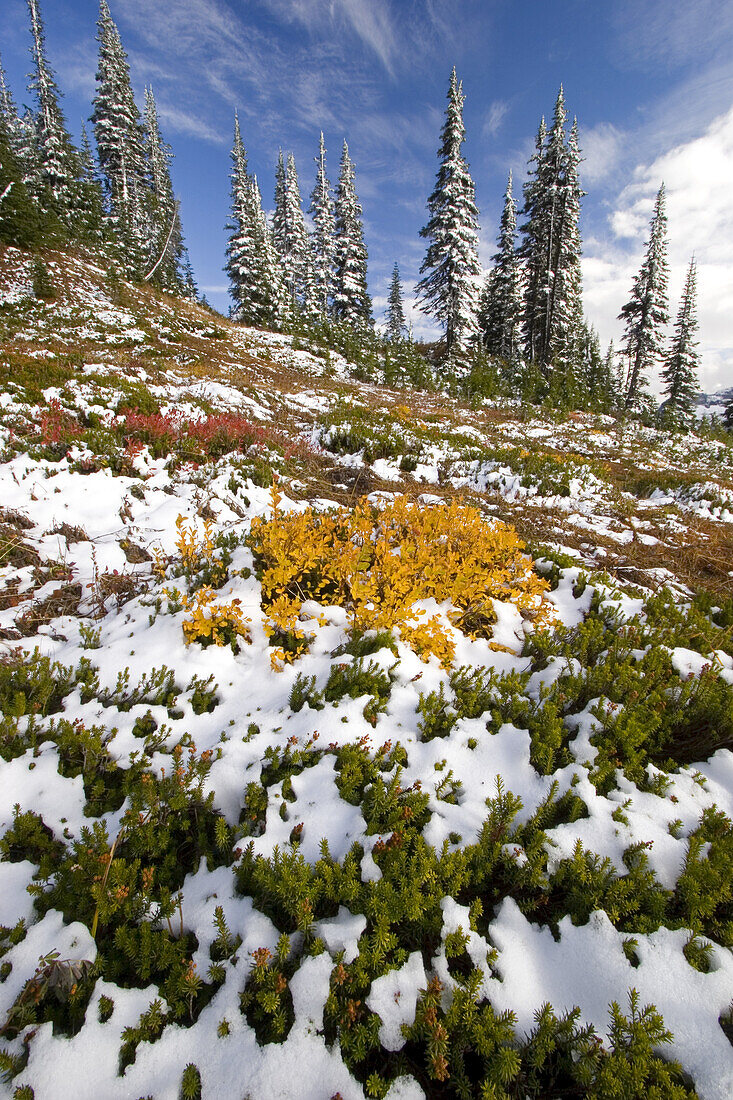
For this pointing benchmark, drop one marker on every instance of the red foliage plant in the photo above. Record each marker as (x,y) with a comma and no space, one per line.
(211,436)
(57,425)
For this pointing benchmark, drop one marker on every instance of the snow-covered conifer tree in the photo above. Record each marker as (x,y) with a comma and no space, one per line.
(647,312)
(280,213)
(165,233)
(120,145)
(351,301)
(290,235)
(680,370)
(396,323)
(551,247)
(533,248)
(90,200)
(21,221)
(450,287)
(322,210)
(56,158)
(298,255)
(501,304)
(9,116)
(277,306)
(241,259)
(252,265)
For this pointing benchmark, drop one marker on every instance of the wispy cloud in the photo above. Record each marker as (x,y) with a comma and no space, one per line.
(370,23)
(671,33)
(601,146)
(183,122)
(494,118)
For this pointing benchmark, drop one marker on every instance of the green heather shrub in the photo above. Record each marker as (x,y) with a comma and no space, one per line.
(469,1045)
(266,1001)
(304,691)
(359,679)
(33,685)
(127,891)
(703,898)
(585,882)
(204,694)
(191,1083)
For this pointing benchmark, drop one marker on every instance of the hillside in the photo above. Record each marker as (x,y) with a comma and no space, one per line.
(283,839)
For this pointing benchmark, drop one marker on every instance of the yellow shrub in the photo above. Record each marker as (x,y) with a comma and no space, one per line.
(210,623)
(378,565)
(197,554)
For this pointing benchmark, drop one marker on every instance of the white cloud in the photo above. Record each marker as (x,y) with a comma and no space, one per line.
(182,122)
(670,32)
(494,118)
(370,22)
(601,147)
(697,177)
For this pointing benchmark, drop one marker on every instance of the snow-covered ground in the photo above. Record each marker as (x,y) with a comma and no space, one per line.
(106,542)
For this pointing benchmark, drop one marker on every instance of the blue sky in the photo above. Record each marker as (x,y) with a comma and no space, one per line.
(651,84)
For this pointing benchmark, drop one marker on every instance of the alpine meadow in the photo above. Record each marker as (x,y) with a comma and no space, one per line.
(366,637)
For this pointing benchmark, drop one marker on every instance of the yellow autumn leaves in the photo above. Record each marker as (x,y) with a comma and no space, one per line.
(380,565)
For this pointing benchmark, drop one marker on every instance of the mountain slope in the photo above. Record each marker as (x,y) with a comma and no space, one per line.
(256,870)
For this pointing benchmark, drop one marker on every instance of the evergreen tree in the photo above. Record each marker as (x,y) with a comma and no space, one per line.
(21,136)
(612,376)
(251,263)
(646,313)
(278,305)
(591,374)
(290,236)
(351,301)
(533,249)
(280,213)
(165,234)
(90,205)
(9,117)
(680,369)
(501,305)
(551,248)
(298,254)
(450,287)
(120,145)
(21,220)
(56,158)
(396,323)
(322,210)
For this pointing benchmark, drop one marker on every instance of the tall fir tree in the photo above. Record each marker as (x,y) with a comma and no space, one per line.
(501,304)
(280,211)
(351,301)
(251,263)
(21,220)
(647,311)
(165,233)
(396,322)
(298,253)
(120,146)
(14,129)
(680,373)
(90,205)
(278,307)
(532,249)
(57,161)
(322,211)
(551,248)
(450,288)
